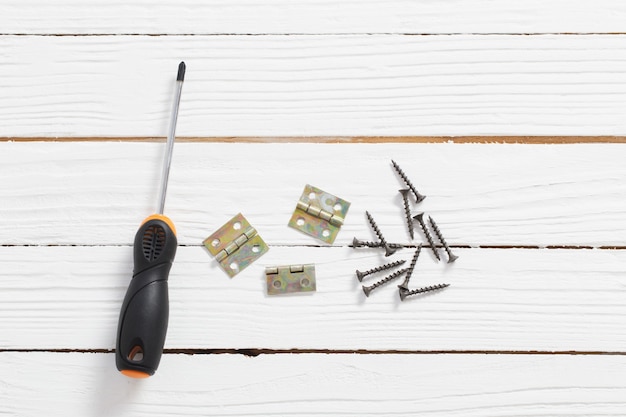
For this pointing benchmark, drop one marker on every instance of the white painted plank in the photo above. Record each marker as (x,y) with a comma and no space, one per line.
(307,16)
(513,299)
(314,85)
(315,385)
(98,193)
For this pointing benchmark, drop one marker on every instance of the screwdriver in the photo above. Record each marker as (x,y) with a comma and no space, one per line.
(145,311)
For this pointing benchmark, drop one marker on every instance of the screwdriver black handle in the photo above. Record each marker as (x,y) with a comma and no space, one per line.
(145,312)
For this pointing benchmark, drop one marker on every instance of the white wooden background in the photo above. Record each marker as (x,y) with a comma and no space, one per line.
(534,321)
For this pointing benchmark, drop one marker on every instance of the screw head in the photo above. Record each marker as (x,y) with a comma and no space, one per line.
(390,251)
(403,293)
(367,290)
(452,258)
(419,217)
(359,275)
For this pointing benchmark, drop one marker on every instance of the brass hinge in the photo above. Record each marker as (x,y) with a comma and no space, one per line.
(319,214)
(236,245)
(290,279)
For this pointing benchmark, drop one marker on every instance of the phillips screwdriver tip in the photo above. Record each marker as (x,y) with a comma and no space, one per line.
(181,71)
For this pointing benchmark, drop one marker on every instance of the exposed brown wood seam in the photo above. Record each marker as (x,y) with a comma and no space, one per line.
(252,352)
(260,34)
(338,139)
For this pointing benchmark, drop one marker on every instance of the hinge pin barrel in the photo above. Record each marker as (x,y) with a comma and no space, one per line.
(322,214)
(236,244)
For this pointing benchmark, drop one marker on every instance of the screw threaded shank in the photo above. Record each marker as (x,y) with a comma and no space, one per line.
(388,249)
(451,256)
(420,219)
(360,275)
(409,272)
(407,211)
(368,290)
(357,243)
(404,294)
(418,197)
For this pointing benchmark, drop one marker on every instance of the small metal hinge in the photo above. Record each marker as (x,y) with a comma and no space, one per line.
(236,245)
(290,279)
(319,214)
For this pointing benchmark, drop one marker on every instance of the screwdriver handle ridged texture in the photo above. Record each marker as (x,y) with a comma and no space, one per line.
(144,315)
(145,312)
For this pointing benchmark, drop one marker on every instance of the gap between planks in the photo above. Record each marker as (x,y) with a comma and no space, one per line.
(557,140)
(254,352)
(221,34)
(406,246)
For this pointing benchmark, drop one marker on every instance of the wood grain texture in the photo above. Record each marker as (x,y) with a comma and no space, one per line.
(529,195)
(373,81)
(348,85)
(311,17)
(315,385)
(499,300)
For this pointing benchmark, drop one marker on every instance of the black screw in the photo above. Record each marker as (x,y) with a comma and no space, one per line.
(451,256)
(357,243)
(407,211)
(420,220)
(368,290)
(418,196)
(404,293)
(360,275)
(388,249)
(409,272)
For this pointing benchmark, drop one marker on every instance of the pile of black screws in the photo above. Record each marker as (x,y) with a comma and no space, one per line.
(391,248)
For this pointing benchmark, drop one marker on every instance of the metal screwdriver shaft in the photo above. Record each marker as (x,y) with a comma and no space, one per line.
(142,326)
(170,136)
